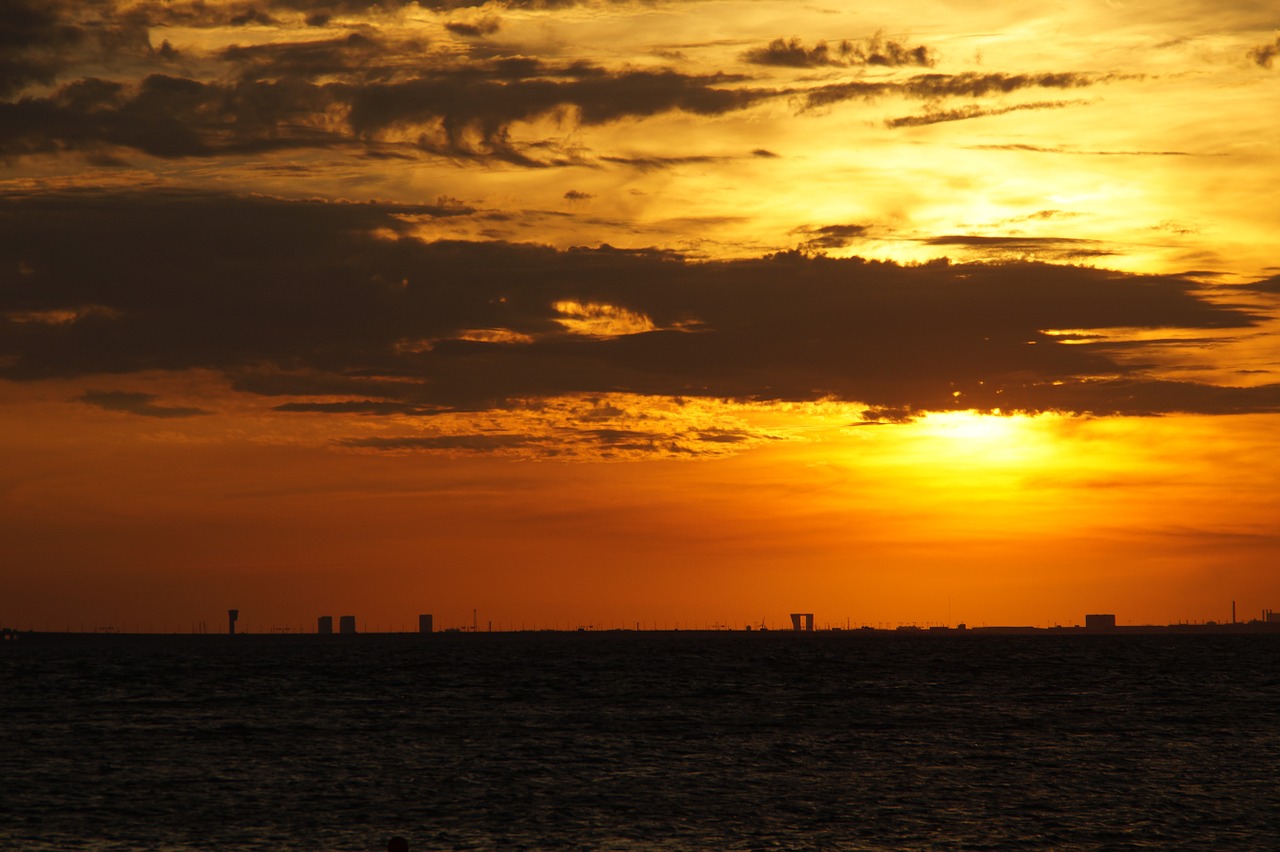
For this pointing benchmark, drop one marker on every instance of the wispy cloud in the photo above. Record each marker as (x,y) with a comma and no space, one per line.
(971,111)
(140,404)
(1265,54)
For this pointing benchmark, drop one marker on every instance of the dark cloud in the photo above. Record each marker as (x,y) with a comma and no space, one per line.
(576,195)
(830,236)
(1059,149)
(169,117)
(40,39)
(482,442)
(307,301)
(315,13)
(936,86)
(463,112)
(140,404)
(1265,54)
(480,28)
(792,53)
(472,117)
(590,442)
(966,112)
(1266,285)
(363,55)
(1042,248)
(371,407)
(649,164)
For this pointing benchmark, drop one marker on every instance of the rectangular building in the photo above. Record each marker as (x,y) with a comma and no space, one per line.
(1100,621)
(346,624)
(324,626)
(425,624)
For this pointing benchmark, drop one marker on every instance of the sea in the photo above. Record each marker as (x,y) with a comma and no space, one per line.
(711,740)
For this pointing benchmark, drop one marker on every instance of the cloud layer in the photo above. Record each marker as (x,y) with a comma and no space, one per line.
(336,309)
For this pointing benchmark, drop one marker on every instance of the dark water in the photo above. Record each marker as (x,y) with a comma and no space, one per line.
(641,741)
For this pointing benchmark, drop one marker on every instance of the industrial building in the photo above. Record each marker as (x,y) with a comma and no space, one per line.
(802,618)
(347,625)
(324,625)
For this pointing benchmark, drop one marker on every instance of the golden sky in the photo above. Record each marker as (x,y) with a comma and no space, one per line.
(604,313)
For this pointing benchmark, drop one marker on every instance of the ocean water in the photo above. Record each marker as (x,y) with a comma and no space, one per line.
(624,741)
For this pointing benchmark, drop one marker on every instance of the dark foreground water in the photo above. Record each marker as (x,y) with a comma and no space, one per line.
(641,741)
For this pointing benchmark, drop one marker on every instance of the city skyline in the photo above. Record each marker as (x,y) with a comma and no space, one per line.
(612,311)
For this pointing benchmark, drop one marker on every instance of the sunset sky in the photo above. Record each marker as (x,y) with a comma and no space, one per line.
(672,312)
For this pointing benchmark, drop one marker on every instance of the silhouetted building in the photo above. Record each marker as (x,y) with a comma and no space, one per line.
(1270,616)
(1100,621)
(346,624)
(324,625)
(232,616)
(425,624)
(797,618)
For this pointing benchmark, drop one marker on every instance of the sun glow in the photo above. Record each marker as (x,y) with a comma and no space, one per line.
(988,440)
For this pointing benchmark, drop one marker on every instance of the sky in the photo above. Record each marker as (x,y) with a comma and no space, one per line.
(681,313)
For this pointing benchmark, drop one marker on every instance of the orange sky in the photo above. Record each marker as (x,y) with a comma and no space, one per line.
(596,313)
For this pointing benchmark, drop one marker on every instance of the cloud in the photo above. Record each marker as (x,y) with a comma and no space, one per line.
(967,112)
(1266,285)
(668,437)
(485,443)
(358,53)
(461,116)
(648,164)
(40,39)
(169,117)
(368,88)
(1063,149)
(830,236)
(792,53)
(479,28)
(1264,55)
(1041,248)
(372,407)
(137,403)
(463,113)
(936,86)
(335,309)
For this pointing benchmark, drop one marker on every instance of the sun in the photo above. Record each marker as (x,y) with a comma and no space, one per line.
(988,439)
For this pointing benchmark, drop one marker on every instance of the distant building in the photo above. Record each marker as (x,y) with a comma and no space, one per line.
(233,615)
(425,624)
(802,618)
(347,624)
(324,625)
(1100,621)
(1270,616)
